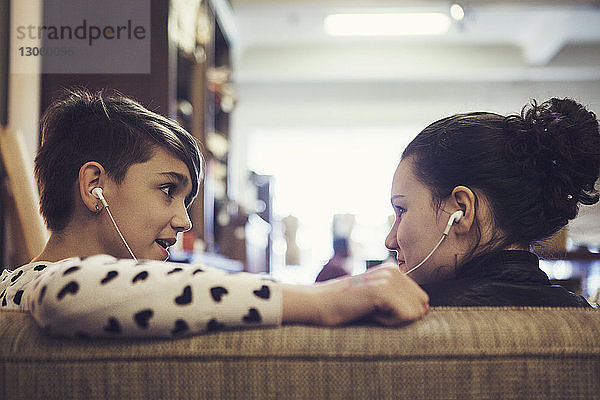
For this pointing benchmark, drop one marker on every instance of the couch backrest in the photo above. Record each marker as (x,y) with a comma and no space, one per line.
(452,353)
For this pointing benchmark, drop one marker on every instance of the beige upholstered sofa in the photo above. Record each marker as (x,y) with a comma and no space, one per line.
(453,353)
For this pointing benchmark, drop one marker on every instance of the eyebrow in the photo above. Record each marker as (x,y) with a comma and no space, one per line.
(181,179)
(394,197)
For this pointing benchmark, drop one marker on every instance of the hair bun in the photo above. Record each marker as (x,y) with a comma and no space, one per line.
(557,144)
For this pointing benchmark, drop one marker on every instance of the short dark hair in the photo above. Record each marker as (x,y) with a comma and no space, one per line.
(111,129)
(533,168)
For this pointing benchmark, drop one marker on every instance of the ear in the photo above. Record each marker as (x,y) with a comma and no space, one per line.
(463,198)
(91,175)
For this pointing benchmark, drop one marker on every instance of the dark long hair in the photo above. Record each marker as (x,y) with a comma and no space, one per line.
(534,169)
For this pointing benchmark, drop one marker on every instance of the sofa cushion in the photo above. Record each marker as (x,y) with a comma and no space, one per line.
(452,353)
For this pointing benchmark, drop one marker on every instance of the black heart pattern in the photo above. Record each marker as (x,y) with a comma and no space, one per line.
(140,277)
(253,316)
(42,293)
(109,277)
(143,317)
(186,296)
(71,270)
(263,293)
(71,287)
(18,296)
(217,293)
(214,325)
(17,276)
(177,269)
(113,326)
(40,267)
(197,270)
(180,327)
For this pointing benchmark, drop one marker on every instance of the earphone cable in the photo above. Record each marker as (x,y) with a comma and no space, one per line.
(119,232)
(429,255)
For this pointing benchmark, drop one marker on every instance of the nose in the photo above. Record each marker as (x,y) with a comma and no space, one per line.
(181,220)
(390,241)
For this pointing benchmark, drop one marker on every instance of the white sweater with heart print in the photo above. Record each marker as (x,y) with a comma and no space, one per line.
(102,296)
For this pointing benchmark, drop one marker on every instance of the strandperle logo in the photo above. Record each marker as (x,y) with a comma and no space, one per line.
(85,31)
(81,37)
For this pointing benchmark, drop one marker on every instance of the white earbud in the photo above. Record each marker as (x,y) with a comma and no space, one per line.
(453,218)
(97,193)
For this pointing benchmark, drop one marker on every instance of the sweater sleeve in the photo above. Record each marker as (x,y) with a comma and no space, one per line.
(101,296)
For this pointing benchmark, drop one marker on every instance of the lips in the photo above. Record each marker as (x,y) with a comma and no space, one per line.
(165,243)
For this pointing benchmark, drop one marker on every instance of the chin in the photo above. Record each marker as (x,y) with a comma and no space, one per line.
(150,252)
(153,256)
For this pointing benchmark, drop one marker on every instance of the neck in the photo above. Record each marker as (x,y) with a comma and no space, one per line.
(65,244)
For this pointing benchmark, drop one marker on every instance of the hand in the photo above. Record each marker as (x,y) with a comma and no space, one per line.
(385,294)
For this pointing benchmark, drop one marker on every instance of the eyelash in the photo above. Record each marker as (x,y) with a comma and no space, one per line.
(400,210)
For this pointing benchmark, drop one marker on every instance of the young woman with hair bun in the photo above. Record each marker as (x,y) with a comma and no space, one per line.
(517,179)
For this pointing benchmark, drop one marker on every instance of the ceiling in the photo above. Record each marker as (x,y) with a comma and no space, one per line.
(284,41)
(289,72)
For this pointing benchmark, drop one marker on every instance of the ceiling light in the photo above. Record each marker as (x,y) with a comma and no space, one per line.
(387,24)
(456,12)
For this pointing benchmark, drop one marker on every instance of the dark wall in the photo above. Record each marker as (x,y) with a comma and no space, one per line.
(156,90)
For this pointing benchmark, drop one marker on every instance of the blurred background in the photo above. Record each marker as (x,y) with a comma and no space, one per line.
(304,108)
